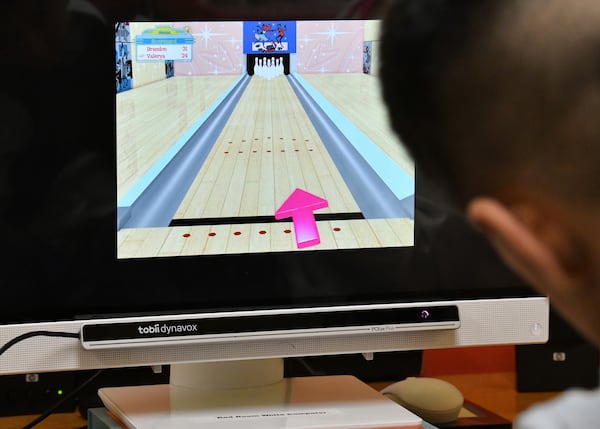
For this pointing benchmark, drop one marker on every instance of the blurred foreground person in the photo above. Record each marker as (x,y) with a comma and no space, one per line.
(499,102)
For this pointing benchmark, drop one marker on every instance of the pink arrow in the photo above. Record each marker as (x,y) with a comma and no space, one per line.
(300,206)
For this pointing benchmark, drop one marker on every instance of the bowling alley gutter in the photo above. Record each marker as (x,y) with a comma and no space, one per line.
(153,201)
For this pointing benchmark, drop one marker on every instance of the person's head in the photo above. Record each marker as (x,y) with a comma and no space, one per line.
(499,100)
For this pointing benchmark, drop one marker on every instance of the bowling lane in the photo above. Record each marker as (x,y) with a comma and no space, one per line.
(151,118)
(350,93)
(266,150)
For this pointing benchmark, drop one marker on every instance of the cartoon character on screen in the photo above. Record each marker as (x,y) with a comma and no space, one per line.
(367,59)
(260,34)
(123,69)
(281,30)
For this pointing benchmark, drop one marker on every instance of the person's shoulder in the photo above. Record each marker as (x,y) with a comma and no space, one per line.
(575,408)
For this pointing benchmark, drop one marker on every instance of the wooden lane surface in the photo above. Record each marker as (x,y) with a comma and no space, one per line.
(358,97)
(255,238)
(268,148)
(151,118)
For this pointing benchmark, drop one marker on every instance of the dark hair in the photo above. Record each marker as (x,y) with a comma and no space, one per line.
(470,102)
(419,41)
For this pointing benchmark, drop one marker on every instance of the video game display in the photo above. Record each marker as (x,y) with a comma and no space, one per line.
(243,137)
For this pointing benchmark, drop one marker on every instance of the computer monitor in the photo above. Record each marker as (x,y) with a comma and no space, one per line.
(249,204)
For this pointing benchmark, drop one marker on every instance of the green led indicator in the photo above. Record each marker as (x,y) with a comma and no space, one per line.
(59,392)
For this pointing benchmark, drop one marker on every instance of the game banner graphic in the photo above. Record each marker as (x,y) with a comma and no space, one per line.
(269,37)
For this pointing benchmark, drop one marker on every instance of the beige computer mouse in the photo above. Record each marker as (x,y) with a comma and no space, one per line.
(432,399)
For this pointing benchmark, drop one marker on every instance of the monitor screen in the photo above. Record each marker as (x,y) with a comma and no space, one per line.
(257,137)
(236,194)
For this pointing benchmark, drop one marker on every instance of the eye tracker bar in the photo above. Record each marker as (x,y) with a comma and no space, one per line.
(213,327)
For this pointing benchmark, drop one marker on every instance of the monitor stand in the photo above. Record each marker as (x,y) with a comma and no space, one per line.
(253,394)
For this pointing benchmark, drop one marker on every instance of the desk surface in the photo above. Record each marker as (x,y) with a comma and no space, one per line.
(494,391)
